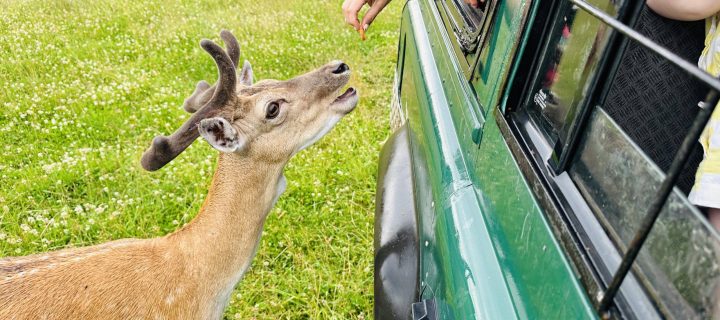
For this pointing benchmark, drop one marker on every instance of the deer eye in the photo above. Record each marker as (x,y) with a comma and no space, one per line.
(272,110)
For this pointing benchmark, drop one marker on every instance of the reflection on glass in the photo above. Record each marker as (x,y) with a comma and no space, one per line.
(571,61)
(679,262)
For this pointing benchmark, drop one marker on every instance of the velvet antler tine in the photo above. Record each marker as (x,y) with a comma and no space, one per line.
(232,45)
(165,149)
(227,79)
(203,93)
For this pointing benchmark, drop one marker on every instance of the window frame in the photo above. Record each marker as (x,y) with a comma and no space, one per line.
(467,46)
(596,255)
(606,66)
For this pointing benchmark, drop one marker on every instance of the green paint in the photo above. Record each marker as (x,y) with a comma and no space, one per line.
(534,262)
(487,251)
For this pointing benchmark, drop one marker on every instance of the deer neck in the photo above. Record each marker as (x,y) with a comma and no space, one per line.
(219,244)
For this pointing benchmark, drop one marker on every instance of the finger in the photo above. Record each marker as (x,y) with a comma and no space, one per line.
(374,10)
(351,12)
(352,20)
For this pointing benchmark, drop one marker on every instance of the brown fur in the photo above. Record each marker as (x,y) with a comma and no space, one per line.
(178,276)
(190,273)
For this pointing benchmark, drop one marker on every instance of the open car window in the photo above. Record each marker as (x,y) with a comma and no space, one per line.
(608,116)
(467,27)
(466,22)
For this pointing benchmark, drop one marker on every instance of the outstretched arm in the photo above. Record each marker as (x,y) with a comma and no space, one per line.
(351,9)
(686,10)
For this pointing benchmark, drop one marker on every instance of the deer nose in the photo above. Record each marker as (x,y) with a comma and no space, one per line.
(342,68)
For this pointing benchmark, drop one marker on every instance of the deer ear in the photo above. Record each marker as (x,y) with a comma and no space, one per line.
(246,74)
(221,135)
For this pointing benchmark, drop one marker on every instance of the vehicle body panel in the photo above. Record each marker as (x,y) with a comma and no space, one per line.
(396,243)
(485,247)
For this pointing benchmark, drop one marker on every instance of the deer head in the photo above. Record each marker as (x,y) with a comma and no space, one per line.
(270,120)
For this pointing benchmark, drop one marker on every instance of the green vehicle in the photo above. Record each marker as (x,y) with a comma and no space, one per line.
(539,165)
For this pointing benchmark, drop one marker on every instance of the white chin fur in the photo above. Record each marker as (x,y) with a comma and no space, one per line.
(347,104)
(332,121)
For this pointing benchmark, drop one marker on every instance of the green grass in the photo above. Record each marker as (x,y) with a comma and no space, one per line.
(87,84)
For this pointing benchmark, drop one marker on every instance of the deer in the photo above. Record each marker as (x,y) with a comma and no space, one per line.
(190,273)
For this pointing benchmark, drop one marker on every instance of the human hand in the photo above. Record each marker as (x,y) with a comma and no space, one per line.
(351,9)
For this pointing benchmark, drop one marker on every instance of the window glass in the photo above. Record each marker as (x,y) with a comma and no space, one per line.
(571,59)
(679,261)
(466,22)
(618,170)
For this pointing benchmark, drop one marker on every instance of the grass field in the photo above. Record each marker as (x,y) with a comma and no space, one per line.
(87,84)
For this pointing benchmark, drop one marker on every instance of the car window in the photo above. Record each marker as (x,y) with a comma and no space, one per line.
(466,22)
(679,262)
(466,26)
(571,60)
(614,117)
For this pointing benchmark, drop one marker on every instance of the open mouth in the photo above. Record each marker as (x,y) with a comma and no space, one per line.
(346,102)
(346,95)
